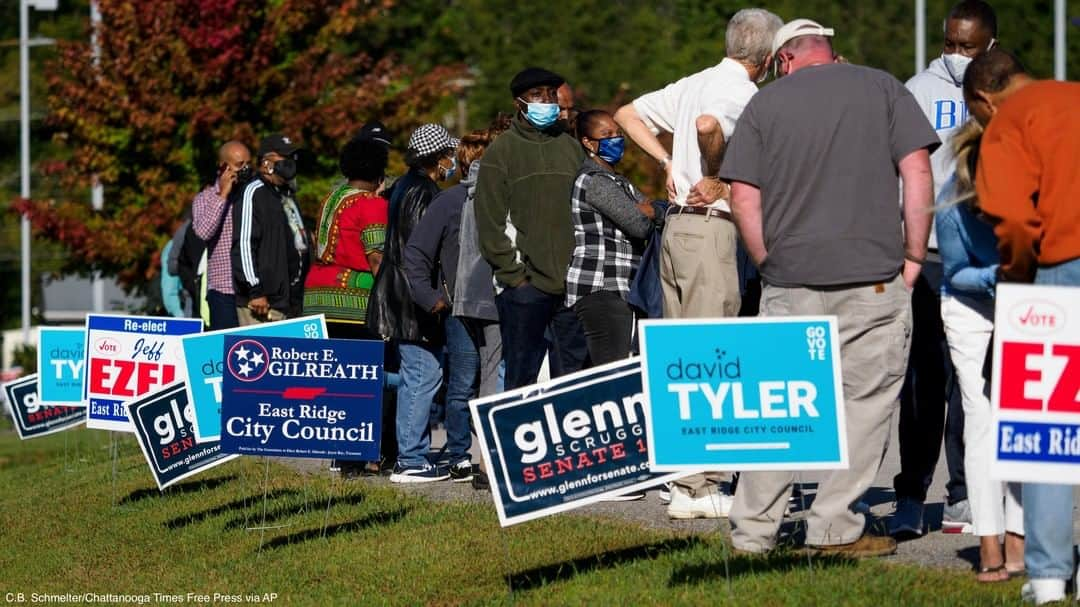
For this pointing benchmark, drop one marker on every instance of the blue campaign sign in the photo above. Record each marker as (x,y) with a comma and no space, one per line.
(127,357)
(295,397)
(744,394)
(204,365)
(163,429)
(61,365)
(34,418)
(566,443)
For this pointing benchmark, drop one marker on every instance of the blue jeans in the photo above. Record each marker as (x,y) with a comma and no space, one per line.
(421,377)
(222,310)
(1048,509)
(463,362)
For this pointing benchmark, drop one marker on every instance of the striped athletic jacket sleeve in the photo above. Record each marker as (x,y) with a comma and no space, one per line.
(246,235)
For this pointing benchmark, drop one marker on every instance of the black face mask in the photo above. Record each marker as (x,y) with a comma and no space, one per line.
(245,175)
(285,168)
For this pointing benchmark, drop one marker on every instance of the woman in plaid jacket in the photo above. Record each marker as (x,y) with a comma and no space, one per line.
(611,220)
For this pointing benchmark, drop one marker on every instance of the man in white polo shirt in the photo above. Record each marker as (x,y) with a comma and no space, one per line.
(697,262)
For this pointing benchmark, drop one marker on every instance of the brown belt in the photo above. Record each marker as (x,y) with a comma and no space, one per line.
(705,211)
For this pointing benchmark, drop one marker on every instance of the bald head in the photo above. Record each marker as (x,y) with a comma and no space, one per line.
(234,154)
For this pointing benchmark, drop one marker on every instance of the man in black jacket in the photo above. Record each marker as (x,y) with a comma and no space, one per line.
(393,313)
(269,243)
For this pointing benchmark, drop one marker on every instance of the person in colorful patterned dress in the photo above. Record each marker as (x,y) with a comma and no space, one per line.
(349,242)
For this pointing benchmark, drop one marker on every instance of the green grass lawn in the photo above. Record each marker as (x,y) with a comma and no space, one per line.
(68,525)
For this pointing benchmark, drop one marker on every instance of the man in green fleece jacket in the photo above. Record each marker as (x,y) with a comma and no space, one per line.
(523,217)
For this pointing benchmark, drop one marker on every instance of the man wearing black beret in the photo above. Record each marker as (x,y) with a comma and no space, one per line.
(523,218)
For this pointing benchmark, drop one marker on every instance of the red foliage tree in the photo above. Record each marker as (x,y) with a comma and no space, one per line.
(175,78)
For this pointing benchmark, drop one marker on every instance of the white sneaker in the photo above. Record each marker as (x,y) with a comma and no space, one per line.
(708,503)
(1042,591)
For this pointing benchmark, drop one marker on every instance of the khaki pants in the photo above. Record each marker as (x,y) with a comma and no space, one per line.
(247,319)
(875,337)
(700,280)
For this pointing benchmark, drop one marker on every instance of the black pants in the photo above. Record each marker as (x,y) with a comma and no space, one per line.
(222,310)
(525,313)
(930,402)
(608,322)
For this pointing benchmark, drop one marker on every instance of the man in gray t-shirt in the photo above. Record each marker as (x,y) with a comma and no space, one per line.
(814,164)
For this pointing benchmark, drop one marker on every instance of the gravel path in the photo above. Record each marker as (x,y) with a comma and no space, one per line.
(935,549)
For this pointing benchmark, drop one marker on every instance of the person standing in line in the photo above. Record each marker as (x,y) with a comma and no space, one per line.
(930,403)
(394,313)
(172,291)
(813,166)
(349,241)
(212,221)
(611,219)
(431,265)
(525,181)
(270,247)
(698,270)
(474,285)
(1027,182)
(970,263)
(567,112)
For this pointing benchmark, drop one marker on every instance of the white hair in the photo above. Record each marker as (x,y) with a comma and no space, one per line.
(750,34)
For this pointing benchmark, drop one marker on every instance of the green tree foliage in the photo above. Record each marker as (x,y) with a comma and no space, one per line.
(610,50)
(176,78)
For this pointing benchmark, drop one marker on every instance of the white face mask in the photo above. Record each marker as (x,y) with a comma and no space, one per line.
(956,64)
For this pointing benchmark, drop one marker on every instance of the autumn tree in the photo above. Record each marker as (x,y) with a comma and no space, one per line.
(175,78)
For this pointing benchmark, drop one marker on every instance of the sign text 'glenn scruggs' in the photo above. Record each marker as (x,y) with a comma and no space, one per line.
(308,365)
(589,433)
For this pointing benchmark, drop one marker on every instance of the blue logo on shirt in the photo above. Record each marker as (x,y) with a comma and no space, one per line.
(949,114)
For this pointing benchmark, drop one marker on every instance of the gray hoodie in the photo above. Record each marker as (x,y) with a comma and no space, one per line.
(474,290)
(941,98)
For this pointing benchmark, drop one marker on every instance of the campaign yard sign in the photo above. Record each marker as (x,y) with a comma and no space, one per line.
(204,365)
(61,365)
(296,397)
(1035,387)
(127,357)
(744,394)
(163,427)
(34,418)
(566,443)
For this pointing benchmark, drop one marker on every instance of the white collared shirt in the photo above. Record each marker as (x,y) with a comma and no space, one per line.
(721,91)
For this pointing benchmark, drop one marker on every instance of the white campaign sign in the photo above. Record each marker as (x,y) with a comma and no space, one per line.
(127,357)
(1035,394)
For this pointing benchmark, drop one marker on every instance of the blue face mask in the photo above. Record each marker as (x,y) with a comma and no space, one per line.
(541,115)
(611,149)
(449,173)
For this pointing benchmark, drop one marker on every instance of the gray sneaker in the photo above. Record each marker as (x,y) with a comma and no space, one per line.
(957,518)
(907,522)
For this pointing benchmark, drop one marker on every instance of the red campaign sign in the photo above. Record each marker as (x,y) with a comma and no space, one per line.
(1019,370)
(128,378)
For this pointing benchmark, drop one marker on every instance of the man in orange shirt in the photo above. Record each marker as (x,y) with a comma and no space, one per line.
(1028,183)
